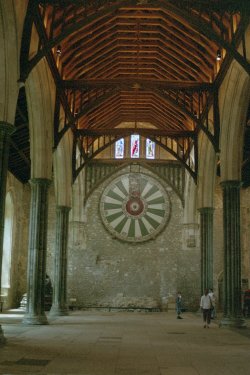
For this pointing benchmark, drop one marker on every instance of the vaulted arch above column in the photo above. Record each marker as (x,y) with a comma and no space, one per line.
(234,99)
(9,61)
(40,93)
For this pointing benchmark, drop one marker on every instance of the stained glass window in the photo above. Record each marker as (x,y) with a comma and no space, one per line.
(119,149)
(135,146)
(150,149)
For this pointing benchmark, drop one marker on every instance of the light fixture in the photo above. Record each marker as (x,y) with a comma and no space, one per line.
(59,50)
(218,57)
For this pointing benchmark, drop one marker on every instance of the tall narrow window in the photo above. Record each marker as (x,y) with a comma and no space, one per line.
(7,244)
(119,149)
(150,149)
(135,146)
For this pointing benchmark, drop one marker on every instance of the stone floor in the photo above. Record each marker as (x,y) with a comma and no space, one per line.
(119,343)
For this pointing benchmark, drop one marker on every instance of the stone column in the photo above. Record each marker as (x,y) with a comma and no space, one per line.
(59,306)
(206,236)
(37,252)
(232,255)
(5,131)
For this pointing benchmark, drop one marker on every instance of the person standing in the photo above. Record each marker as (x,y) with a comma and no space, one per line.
(206,304)
(178,303)
(212,296)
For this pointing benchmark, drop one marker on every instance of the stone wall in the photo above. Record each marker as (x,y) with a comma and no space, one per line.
(20,195)
(104,271)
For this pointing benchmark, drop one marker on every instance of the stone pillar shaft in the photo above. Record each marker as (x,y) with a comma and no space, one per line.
(232,254)
(5,131)
(206,235)
(59,306)
(37,252)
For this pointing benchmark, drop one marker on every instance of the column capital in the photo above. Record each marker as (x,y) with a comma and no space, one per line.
(40,181)
(231,184)
(206,210)
(7,127)
(63,208)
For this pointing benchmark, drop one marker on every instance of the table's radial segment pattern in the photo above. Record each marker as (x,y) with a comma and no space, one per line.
(134,207)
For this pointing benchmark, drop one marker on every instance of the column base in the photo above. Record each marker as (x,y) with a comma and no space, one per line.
(2,338)
(229,322)
(35,320)
(58,311)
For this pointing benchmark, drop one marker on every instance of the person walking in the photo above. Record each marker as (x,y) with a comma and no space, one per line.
(178,303)
(206,305)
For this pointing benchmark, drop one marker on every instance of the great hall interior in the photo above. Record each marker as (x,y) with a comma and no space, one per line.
(125,156)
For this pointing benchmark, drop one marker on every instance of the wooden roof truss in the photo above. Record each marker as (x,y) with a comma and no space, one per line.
(116,62)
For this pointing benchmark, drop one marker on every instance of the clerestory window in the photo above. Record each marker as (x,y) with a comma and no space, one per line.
(135,148)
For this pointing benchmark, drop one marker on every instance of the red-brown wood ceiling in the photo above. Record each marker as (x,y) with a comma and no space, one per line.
(143,43)
(130,61)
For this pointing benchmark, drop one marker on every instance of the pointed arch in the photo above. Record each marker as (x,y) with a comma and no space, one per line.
(62,163)
(234,99)
(40,92)
(207,172)
(9,61)
(190,208)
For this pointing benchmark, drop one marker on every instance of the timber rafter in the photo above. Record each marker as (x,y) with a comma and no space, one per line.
(136,61)
(202,19)
(178,144)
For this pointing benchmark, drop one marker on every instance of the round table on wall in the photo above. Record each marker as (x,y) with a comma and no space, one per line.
(135,207)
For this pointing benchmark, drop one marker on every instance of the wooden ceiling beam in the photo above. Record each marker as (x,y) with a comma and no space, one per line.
(162,30)
(206,30)
(85,84)
(76,27)
(22,115)
(159,95)
(20,153)
(192,22)
(225,5)
(141,131)
(51,62)
(163,61)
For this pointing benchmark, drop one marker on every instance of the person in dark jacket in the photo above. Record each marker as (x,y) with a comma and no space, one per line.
(178,303)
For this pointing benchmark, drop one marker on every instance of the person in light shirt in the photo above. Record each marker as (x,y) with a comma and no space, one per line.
(206,305)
